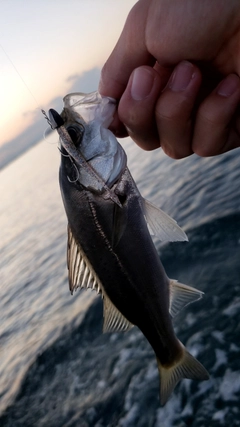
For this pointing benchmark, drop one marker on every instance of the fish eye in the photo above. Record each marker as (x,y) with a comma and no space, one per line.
(75,133)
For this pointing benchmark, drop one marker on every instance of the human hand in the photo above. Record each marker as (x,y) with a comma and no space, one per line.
(175,71)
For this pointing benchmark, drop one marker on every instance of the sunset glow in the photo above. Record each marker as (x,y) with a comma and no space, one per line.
(42,44)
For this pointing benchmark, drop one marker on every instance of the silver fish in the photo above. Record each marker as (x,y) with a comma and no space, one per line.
(110,248)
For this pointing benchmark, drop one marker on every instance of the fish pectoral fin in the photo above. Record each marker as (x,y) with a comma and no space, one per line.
(80,272)
(181,295)
(119,224)
(186,367)
(162,225)
(113,318)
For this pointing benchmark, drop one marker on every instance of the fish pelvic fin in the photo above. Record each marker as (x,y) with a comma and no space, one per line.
(181,295)
(186,367)
(162,225)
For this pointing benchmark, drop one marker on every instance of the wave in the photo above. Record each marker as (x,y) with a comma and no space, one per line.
(87,378)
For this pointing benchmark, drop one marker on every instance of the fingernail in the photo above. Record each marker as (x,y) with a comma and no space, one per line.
(142,82)
(228,86)
(181,77)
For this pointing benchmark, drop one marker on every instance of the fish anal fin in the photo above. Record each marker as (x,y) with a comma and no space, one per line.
(80,272)
(113,319)
(162,225)
(181,295)
(186,367)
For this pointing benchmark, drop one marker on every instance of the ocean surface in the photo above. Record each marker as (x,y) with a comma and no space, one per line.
(56,366)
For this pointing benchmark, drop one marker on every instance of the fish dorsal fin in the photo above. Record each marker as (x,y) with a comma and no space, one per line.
(162,225)
(80,272)
(113,319)
(181,295)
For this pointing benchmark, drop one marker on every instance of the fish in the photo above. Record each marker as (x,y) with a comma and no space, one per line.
(110,247)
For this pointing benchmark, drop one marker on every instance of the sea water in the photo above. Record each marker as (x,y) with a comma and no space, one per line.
(56,366)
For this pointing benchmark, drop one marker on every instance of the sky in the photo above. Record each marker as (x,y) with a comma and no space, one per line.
(48,46)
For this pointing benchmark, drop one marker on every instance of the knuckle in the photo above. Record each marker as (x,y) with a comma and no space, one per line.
(148,140)
(174,151)
(147,144)
(212,114)
(209,118)
(208,148)
(178,110)
(207,145)
(134,116)
(203,151)
(129,118)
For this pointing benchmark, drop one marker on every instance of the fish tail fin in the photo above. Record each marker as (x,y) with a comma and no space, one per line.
(186,367)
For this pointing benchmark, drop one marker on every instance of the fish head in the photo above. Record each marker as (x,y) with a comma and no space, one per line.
(86,118)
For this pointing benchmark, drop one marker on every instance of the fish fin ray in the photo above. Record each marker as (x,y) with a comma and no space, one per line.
(182,295)
(119,224)
(186,367)
(162,225)
(80,272)
(113,318)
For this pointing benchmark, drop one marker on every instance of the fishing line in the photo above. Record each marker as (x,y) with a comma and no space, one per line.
(19,75)
(47,131)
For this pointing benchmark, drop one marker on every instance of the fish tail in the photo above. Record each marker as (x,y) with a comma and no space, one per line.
(186,367)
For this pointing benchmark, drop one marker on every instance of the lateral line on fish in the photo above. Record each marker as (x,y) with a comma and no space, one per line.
(107,243)
(19,75)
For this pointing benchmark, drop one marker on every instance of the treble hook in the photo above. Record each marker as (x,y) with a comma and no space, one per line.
(73,164)
(63,154)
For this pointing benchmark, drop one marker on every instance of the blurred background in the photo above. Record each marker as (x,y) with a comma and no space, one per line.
(56,366)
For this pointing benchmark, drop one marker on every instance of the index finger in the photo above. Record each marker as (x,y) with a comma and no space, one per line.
(129,53)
